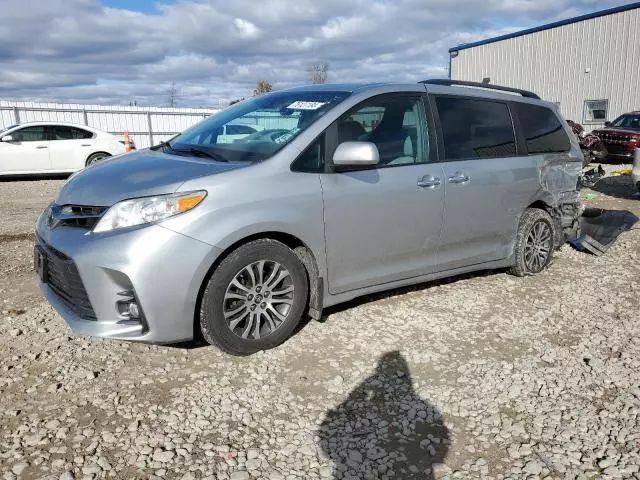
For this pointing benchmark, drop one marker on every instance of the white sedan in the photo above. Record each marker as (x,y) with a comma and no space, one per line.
(53,147)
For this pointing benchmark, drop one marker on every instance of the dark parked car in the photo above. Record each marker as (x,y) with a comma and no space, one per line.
(622,136)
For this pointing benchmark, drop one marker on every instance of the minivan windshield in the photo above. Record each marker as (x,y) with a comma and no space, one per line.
(256,129)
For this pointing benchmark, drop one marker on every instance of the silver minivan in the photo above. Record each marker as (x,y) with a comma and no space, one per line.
(348,190)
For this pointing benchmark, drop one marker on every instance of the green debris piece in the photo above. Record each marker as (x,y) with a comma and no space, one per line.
(589,196)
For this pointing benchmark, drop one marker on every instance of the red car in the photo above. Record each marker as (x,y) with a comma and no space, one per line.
(621,137)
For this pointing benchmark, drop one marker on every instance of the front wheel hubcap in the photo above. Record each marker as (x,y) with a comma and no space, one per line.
(258,299)
(537,248)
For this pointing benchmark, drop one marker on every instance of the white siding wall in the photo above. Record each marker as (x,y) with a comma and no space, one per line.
(552,63)
(164,122)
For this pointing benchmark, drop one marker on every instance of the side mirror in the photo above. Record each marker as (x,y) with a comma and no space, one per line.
(607,124)
(7,138)
(356,154)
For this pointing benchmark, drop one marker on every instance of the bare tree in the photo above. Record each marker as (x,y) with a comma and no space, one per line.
(172,95)
(262,87)
(237,100)
(318,72)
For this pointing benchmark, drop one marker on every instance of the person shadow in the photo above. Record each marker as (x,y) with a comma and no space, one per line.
(384,430)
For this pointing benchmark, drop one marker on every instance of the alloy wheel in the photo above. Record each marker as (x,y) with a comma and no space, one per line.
(96,158)
(258,299)
(537,248)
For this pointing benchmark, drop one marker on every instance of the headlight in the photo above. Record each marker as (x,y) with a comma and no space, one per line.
(139,211)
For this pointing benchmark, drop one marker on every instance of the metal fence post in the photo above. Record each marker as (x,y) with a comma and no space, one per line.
(150,129)
(16,115)
(86,118)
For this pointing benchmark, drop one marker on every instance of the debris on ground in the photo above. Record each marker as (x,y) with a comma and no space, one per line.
(589,196)
(600,228)
(592,176)
(626,171)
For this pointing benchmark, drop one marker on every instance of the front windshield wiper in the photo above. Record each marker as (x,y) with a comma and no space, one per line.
(161,146)
(199,152)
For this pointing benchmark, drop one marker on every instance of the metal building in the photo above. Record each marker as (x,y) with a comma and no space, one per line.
(588,65)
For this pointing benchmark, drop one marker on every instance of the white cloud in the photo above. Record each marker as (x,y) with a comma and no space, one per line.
(342,27)
(246,29)
(79,50)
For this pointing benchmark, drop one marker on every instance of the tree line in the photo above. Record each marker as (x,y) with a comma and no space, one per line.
(318,73)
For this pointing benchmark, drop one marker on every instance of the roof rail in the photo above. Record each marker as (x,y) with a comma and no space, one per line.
(447,82)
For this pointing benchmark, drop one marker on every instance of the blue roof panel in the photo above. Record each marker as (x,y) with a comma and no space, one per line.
(601,13)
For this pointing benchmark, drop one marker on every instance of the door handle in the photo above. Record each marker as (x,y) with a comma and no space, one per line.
(428,182)
(41,146)
(459,177)
(85,145)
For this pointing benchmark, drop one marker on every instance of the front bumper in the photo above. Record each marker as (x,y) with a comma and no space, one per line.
(619,152)
(163,269)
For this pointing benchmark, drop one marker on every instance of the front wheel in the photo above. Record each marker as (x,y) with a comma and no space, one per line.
(255,298)
(534,243)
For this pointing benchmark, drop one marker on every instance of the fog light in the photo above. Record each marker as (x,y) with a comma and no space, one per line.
(128,307)
(134,311)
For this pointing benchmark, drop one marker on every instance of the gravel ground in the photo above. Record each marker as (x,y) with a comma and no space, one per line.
(481,376)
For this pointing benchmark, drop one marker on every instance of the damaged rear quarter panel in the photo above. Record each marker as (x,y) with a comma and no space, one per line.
(558,176)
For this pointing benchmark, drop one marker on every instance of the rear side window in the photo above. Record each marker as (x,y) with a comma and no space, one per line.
(64,132)
(542,129)
(81,134)
(473,128)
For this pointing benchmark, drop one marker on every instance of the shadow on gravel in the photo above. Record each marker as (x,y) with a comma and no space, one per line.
(619,186)
(16,237)
(386,294)
(29,178)
(384,429)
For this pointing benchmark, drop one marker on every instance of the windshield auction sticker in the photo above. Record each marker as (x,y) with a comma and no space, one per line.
(306,105)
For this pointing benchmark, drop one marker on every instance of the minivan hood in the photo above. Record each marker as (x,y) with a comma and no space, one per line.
(138,174)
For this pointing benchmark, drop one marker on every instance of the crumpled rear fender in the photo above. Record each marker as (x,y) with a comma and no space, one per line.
(559,176)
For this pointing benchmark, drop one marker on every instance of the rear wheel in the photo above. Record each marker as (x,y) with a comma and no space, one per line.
(255,298)
(96,157)
(534,243)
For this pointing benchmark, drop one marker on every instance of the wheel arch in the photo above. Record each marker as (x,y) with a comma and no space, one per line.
(86,160)
(302,251)
(546,204)
(540,204)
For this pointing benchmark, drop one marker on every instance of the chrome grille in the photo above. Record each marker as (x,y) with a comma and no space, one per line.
(615,138)
(80,216)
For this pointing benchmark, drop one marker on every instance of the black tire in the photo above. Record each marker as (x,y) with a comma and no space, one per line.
(96,157)
(213,324)
(533,220)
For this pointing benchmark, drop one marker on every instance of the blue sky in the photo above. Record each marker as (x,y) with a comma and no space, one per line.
(118,51)
(145,6)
